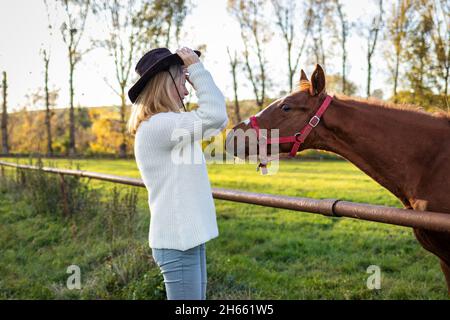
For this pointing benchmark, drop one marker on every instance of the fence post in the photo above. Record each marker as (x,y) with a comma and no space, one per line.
(64,194)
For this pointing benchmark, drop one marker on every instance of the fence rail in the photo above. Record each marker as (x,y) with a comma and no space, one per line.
(329,207)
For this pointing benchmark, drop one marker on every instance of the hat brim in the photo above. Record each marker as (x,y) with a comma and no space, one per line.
(163,64)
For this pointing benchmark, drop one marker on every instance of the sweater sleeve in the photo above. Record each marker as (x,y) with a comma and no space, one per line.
(171,128)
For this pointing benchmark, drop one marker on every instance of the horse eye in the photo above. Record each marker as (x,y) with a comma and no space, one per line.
(285,107)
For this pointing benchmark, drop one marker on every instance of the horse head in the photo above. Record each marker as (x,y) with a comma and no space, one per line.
(283,118)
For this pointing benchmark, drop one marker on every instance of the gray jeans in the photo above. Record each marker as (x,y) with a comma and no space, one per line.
(184,272)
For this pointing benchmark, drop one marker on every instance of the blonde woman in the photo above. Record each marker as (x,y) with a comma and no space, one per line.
(182,209)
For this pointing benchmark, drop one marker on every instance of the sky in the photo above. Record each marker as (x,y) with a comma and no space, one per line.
(23,29)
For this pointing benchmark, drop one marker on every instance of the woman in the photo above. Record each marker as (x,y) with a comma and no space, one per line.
(182,209)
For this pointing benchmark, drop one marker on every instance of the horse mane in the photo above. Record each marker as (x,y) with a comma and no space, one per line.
(411,108)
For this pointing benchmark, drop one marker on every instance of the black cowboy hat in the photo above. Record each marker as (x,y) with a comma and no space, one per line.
(151,63)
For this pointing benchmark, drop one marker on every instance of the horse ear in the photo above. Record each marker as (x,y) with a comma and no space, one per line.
(317,81)
(303,76)
(304,83)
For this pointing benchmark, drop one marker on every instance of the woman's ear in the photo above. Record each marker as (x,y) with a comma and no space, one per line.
(317,81)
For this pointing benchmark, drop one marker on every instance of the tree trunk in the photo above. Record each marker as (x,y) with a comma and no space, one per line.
(369,74)
(369,67)
(263,76)
(397,62)
(373,30)
(123,145)
(234,64)
(72,150)
(253,81)
(168,35)
(237,112)
(291,72)
(5,147)
(48,112)
(447,71)
(344,61)
(344,39)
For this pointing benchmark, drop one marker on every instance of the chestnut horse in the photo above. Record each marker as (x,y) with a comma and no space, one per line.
(406,151)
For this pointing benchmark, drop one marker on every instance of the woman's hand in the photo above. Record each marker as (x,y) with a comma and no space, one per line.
(188,56)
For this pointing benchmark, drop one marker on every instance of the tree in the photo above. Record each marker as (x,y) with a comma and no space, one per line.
(48,113)
(46,55)
(43,97)
(162,20)
(287,19)
(131,25)
(418,49)
(106,129)
(334,85)
(439,11)
(321,21)
(5,146)
(28,134)
(428,100)
(345,29)
(72,31)
(255,34)
(372,37)
(234,62)
(398,24)
(121,43)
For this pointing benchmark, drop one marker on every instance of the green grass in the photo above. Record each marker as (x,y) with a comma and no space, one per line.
(261,253)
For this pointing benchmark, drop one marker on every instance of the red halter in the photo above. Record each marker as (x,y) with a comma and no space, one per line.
(298,138)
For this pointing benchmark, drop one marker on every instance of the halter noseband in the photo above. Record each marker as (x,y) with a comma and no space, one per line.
(298,138)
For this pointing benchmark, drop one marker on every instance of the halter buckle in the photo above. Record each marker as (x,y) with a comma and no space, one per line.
(297,136)
(314,121)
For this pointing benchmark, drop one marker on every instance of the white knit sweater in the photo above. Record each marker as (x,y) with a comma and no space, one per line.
(180,197)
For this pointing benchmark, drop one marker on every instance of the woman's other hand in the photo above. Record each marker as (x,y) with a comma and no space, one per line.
(188,56)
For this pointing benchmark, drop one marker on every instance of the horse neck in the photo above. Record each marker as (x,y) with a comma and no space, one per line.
(378,141)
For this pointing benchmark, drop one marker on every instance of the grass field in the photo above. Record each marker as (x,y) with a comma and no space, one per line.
(261,253)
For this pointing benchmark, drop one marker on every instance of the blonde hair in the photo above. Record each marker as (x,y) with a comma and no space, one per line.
(156,97)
